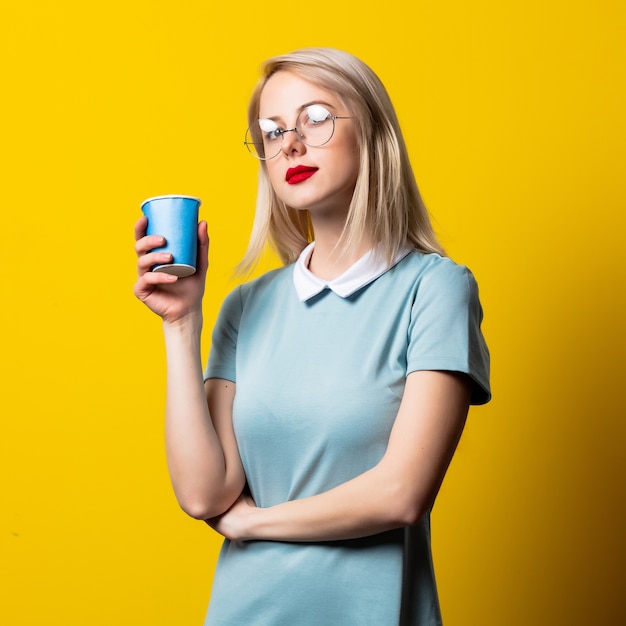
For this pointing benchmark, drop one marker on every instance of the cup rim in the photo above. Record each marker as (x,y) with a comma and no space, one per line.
(170,196)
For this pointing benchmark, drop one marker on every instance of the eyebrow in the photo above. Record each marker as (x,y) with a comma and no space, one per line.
(275,118)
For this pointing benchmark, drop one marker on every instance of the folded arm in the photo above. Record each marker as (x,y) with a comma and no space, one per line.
(203,459)
(395,493)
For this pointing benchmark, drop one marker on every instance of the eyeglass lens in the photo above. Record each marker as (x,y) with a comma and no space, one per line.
(314,127)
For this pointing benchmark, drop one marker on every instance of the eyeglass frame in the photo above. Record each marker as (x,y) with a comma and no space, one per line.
(284,131)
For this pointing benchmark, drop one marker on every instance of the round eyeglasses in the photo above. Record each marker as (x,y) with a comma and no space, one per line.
(314,127)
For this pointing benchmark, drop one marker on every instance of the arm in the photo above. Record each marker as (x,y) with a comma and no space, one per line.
(202,455)
(395,493)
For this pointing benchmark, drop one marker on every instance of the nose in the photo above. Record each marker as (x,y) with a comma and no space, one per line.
(292,141)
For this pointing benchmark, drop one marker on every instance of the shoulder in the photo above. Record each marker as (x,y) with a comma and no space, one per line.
(271,280)
(262,287)
(428,265)
(438,276)
(446,317)
(243,296)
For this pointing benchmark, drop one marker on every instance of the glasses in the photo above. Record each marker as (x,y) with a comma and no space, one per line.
(314,127)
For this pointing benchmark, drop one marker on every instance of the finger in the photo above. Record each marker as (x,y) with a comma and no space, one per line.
(140,227)
(146,244)
(146,261)
(149,281)
(203,247)
(203,232)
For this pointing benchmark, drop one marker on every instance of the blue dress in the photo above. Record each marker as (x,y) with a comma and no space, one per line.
(318,385)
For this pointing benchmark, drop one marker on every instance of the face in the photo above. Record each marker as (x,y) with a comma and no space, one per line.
(319,179)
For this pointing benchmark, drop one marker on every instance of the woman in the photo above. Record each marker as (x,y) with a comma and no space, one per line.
(338,386)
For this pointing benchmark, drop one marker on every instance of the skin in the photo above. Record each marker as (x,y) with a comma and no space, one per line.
(327,194)
(203,459)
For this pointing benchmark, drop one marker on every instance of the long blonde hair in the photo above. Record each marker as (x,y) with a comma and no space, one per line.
(386,206)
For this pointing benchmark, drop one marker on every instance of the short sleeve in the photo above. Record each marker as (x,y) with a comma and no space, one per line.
(445,329)
(222,357)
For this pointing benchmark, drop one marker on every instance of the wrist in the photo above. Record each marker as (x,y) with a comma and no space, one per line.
(252,527)
(191,321)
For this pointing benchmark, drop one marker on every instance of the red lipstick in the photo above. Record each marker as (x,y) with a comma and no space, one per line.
(296,175)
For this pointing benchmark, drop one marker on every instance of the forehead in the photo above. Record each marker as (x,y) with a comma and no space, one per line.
(284,94)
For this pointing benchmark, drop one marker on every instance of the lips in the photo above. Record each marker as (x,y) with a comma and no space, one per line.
(296,175)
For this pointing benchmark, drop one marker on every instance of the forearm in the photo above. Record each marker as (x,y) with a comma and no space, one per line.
(196,460)
(395,493)
(370,503)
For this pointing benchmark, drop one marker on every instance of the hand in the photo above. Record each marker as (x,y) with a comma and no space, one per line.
(170,297)
(236,523)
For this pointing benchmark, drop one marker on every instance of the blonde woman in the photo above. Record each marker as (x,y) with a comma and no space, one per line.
(337,387)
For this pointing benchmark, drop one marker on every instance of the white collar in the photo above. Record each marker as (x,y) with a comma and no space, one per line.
(367,269)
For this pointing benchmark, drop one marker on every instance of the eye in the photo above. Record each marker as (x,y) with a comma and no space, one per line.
(316,114)
(271,130)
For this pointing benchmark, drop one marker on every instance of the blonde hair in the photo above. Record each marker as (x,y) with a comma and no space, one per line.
(386,205)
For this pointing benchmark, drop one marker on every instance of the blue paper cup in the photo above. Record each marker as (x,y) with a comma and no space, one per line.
(174,217)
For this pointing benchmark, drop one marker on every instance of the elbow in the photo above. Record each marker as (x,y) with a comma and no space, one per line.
(199,511)
(406,514)
(405,508)
(411,515)
(204,502)
(203,508)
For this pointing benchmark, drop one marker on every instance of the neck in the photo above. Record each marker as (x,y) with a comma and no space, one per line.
(328,261)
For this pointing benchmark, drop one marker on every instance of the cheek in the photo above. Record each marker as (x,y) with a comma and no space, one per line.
(351,154)
(350,164)
(272,173)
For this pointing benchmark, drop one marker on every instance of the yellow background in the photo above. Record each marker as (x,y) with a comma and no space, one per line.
(514,115)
